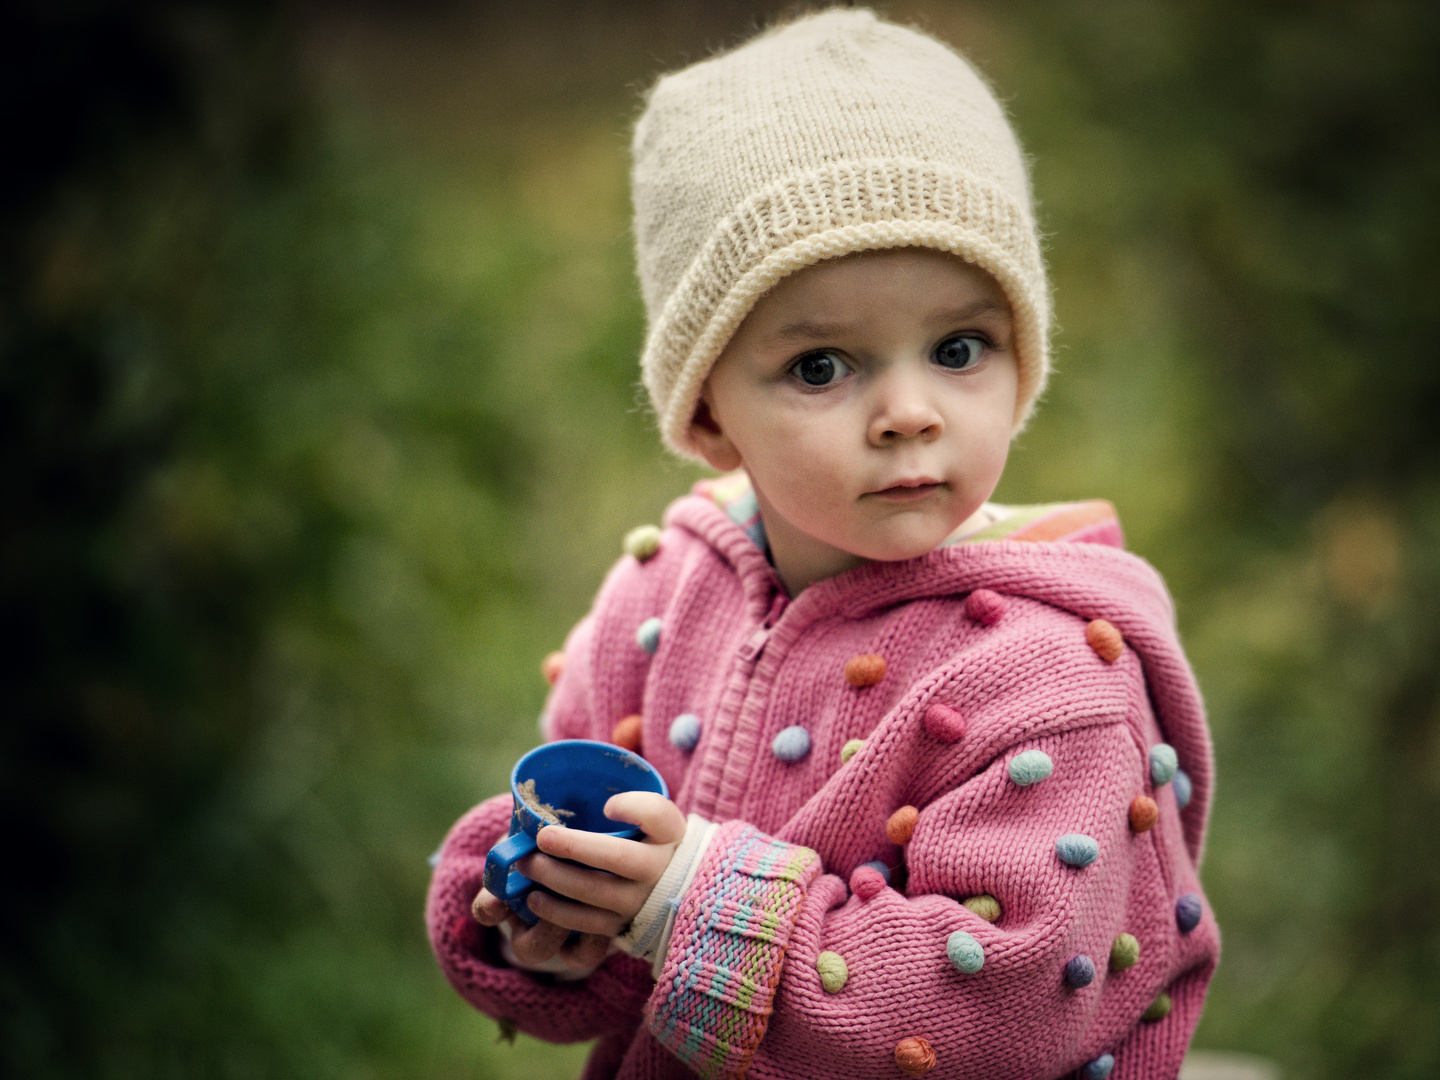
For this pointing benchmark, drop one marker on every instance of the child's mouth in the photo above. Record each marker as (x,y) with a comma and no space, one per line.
(909,491)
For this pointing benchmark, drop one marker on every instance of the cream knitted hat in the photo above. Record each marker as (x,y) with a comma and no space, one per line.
(834,134)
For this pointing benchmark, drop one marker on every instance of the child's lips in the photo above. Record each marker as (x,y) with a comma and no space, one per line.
(909,490)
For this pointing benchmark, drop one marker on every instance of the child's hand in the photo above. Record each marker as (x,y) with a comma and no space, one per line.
(596,903)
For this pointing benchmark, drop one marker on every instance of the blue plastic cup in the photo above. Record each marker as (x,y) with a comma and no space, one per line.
(566,783)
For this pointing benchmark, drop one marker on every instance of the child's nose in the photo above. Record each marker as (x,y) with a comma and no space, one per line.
(905,408)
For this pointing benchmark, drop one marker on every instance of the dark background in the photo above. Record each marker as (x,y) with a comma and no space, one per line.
(318,427)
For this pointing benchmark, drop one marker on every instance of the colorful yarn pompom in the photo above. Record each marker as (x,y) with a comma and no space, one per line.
(1188,909)
(1105,640)
(914,1056)
(901,825)
(791,744)
(967,954)
(880,868)
(866,882)
(1143,813)
(648,635)
(850,749)
(1099,1068)
(833,972)
(1124,952)
(984,905)
(865,670)
(1030,767)
(943,723)
(1183,788)
(552,667)
(626,733)
(985,607)
(1077,850)
(685,732)
(1079,971)
(1163,763)
(1158,1010)
(643,541)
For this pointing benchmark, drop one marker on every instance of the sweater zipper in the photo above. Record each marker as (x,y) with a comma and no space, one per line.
(754,645)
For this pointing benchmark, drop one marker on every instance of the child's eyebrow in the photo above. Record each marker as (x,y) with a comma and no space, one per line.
(971,311)
(805,330)
(810,330)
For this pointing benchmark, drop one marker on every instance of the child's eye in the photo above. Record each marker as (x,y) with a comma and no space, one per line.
(958,353)
(820,369)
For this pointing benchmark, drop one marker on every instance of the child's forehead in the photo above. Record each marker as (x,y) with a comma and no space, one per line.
(921,277)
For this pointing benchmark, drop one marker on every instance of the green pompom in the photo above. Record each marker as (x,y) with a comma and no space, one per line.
(1124,953)
(833,972)
(850,749)
(1158,1010)
(642,541)
(984,905)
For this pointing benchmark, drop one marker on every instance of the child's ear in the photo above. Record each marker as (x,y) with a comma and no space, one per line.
(707,437)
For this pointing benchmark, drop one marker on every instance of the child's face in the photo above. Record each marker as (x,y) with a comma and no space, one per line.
(871,400)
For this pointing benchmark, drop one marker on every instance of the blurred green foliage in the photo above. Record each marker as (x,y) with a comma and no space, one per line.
(319,428)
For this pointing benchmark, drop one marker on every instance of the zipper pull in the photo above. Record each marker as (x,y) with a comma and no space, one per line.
(754,645)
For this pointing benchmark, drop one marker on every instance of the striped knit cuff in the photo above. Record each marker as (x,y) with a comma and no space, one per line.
(714,996)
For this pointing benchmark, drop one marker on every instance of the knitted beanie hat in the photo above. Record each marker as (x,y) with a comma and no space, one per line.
(834,134)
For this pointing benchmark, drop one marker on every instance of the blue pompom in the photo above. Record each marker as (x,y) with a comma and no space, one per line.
(880,867)
(434,859)
(965,952)
(791,744)
(1163,763)
(1080,971)
(685,731)
(1030,767)
(1183,788)
(1188,909)
(1077,850)
(648,636)
(1098,1069)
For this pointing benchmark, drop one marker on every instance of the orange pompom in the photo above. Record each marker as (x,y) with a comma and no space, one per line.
(901,825)
(1105,640)
(552,666)
(1143,813)
(627,733)
(914,1056)
(865,670)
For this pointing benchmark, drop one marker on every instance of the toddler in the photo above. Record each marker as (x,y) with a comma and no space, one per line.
(940,770)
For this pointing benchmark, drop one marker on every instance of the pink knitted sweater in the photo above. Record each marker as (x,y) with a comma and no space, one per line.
(998,638)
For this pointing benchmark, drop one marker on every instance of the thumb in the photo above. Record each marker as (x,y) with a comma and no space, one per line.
(658,817)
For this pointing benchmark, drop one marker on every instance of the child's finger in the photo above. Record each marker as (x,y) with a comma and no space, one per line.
(574,916)
(538,943)
(585,885)
(587,952)
(627,858)
(488,909)
(658,817)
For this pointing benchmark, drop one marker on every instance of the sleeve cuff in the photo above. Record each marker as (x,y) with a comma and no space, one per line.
(716,989)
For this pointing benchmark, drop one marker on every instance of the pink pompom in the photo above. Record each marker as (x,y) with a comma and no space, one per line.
(985,607)
(866,881)
(944,723)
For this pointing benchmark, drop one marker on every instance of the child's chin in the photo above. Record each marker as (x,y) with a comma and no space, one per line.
(898,549)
